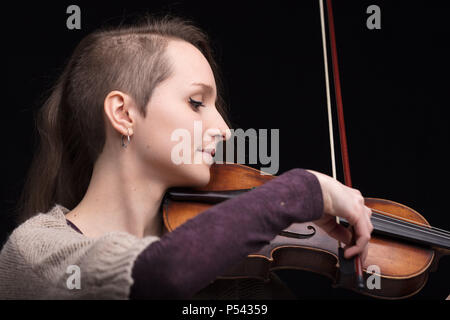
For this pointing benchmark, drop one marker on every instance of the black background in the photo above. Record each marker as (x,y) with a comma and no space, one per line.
(394,85)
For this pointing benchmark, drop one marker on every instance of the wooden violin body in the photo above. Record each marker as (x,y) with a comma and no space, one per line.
(403,265)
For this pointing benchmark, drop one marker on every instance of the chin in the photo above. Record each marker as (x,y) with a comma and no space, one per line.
(201,176)
(195,175)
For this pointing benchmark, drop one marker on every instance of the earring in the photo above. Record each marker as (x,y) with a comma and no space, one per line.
(128,136)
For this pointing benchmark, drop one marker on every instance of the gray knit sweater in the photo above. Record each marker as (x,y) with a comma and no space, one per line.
(36,261)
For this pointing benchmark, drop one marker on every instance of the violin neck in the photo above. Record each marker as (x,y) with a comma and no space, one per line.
(410,232)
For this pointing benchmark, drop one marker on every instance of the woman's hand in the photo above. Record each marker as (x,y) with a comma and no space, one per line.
(348,203)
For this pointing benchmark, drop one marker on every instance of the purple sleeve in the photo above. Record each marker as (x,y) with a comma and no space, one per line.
(193,255)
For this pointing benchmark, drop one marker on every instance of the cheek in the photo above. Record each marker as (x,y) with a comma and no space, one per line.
(157,157)
(163,132)
(155,145)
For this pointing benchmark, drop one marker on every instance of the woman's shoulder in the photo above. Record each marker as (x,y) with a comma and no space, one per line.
(40,250)
(41,228)
(47,231)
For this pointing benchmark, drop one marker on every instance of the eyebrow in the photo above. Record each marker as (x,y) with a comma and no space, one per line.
(205,86)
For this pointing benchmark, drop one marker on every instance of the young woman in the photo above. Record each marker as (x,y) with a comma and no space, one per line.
(91,204)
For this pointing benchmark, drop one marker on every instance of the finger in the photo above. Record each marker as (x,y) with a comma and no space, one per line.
(362,234)
(341,233)
(356,249)
(365,253)
(369,220)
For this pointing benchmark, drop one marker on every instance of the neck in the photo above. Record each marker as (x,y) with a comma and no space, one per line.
(397,228)
(120,198)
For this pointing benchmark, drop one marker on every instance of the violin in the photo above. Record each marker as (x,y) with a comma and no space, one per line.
(403,247)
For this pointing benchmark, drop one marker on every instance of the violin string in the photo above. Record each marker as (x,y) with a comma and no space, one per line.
(437,232)
(412,226)
(428,227)
(428,232)
(442,241)
(419,237)
(422,233)
(423,237)
(424,227)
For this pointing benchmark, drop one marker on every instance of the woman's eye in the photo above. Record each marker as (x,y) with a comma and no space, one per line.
(195,104)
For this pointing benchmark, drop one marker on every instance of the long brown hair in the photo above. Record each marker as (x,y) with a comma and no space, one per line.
(70,124)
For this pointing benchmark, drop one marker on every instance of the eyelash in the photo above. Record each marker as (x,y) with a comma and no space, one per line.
(195,104)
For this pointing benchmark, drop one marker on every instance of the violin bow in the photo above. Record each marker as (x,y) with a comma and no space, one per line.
(340,113)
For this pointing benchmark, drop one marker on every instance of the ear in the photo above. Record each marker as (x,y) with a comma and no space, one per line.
(117,107)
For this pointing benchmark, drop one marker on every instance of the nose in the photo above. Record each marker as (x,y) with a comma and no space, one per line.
(219,131)
(218,134)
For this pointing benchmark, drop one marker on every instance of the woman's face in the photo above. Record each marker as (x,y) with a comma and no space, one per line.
(181,121)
